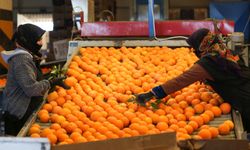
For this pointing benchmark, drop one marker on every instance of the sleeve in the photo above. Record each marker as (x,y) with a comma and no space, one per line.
(26,78)
(195,73)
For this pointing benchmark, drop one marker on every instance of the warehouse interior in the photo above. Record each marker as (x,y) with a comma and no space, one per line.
(123,74)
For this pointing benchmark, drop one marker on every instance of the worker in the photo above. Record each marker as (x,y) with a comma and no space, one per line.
(25,85)
(218,67)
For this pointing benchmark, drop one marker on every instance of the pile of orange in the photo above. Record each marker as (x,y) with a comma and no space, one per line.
(103,79)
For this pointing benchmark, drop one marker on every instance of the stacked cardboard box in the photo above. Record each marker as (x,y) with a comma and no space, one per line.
(62,14)
(63,23)
(188,13)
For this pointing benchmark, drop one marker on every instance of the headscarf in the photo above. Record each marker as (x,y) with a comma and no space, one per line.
(206,43)
(212,44)
(27,36)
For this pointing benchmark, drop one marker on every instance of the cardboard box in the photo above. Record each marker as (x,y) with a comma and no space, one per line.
(91,11)
(216,144)
(200,13)
(60,49)
(174,13)
(164,141)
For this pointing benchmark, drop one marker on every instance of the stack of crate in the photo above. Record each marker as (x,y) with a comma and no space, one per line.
(188,13)
(62,14)
(63,23)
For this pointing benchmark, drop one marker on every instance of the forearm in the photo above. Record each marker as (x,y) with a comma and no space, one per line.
(195,73)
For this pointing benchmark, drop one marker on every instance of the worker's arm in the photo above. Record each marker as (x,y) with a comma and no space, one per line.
(26,78)
(195,73)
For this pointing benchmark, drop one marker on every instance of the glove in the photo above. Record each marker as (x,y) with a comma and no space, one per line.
(59,82)
(141,99)
(156,92)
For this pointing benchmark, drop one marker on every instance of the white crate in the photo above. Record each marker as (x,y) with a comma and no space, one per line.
(17,143)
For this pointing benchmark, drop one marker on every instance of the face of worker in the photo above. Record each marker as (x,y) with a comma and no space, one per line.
(40,42)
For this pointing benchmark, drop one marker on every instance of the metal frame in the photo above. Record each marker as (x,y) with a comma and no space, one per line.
(75,45)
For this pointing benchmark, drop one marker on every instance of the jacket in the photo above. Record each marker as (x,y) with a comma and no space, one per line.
(22,82)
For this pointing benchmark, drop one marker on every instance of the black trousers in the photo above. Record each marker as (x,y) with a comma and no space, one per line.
(13,125)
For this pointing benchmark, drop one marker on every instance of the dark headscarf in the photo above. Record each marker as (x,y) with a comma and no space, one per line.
(27,36)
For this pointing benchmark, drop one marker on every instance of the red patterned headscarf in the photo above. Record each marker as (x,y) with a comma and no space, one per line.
(212,44)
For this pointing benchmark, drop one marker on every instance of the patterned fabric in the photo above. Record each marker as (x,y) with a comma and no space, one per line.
(212,44)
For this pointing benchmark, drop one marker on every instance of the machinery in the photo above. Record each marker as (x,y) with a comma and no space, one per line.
(237,44)
(130,34)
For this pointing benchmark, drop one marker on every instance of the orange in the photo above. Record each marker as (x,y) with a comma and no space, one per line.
(206,96)
(34,129)
(60,119)
(205,117)
(44,117)
(70,127)
(195,101)
(80,139)
(162,126)
(62,92)
(216,111)
(199,108)
(205,134)
(214,102)
(42,111)
(197,119)
(182,124)
(160,112)
(161,119)
(182,130)
(71,118)
(183,104)
(196,137)
(204,127)
(47,107)
(36,125)
(52,138)
(189,129)
(225,108)
(174,127)
(224,129)
(210,114)
(62,137)
(142,129)
(60,101)
(35,135)
(46,132)
(214,131)
(52,96)
(75,135)
(70,81)
(179,98)
(95,115)
(155,118)
(194,124)
(55,126)
(180,117)
(230,123)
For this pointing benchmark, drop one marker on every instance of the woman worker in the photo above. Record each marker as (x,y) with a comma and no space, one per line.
(25,84)
(218,67)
